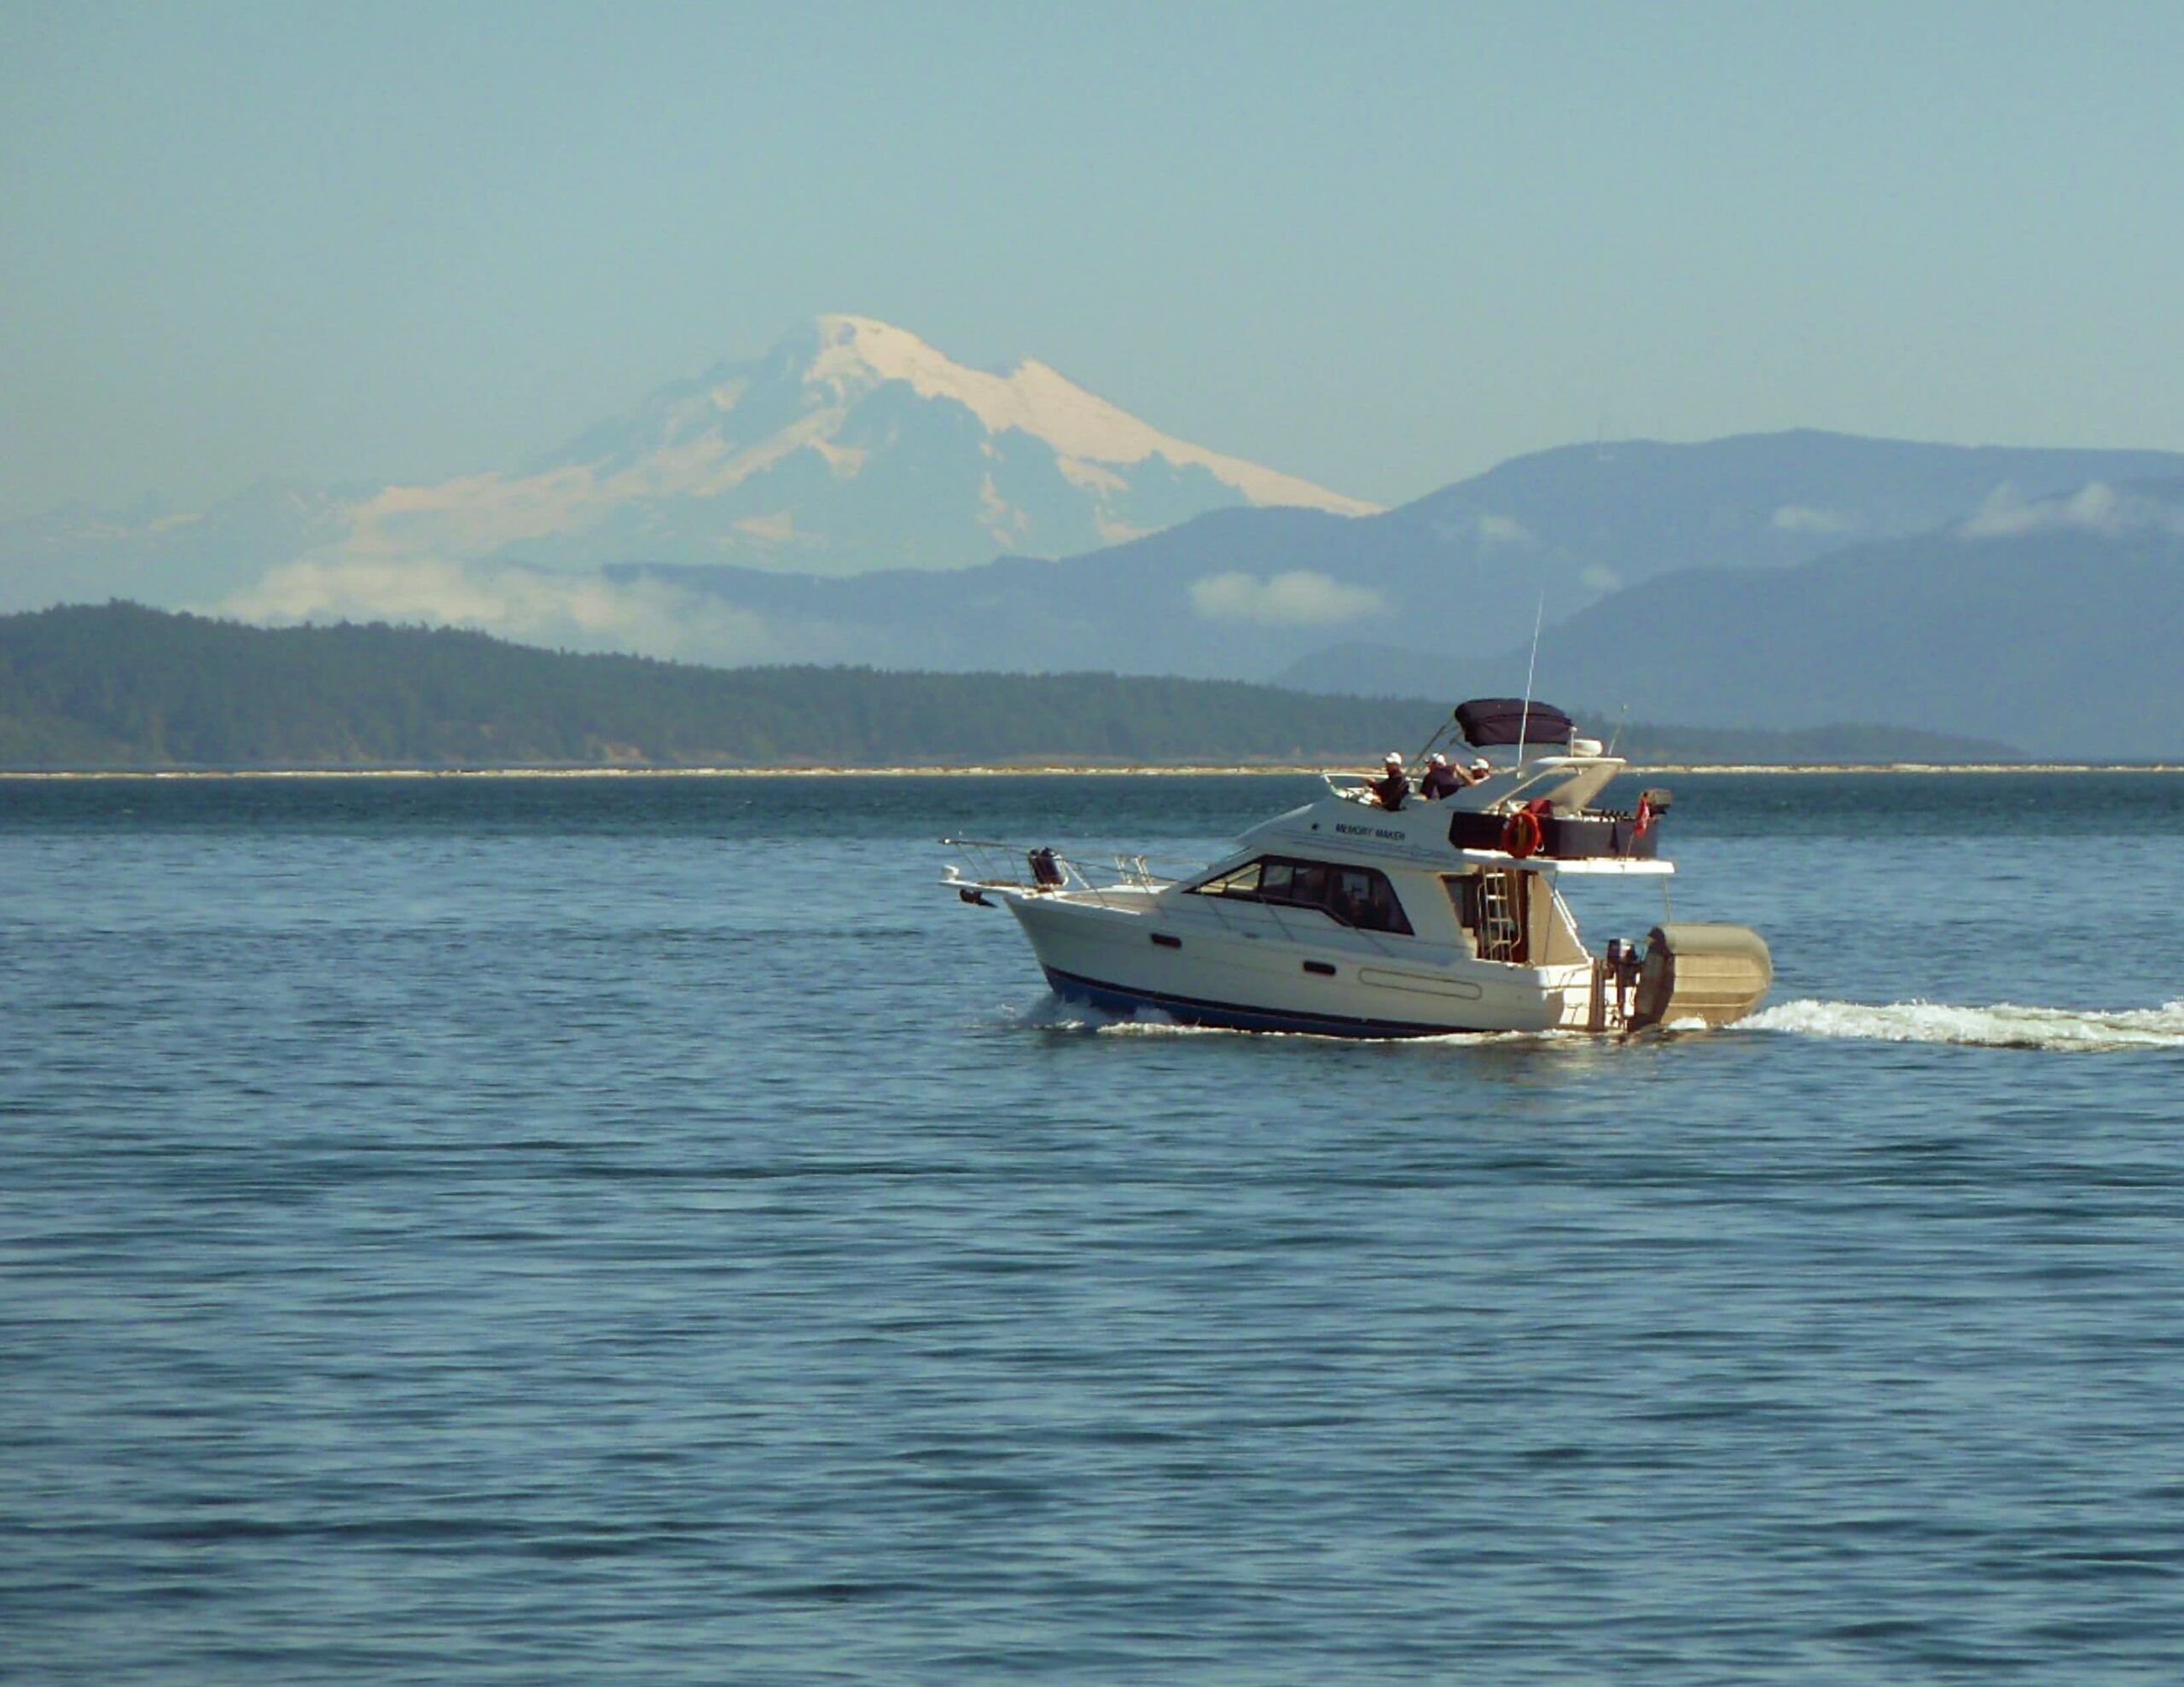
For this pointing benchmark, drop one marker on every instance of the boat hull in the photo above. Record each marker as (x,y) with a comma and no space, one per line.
(1113,998)
(1239,971)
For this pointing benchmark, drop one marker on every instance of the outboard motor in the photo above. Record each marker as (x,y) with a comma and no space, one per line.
(1622,973)
(1716,974)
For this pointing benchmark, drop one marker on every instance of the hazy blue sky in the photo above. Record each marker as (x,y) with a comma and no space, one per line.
(1382,247)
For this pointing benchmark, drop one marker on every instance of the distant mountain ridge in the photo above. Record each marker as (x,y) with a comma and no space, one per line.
(2057,624)
(1428,591)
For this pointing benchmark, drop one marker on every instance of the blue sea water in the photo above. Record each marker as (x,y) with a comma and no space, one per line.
(644,1230)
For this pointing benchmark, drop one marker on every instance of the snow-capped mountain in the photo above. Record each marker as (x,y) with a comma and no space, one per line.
(852,446)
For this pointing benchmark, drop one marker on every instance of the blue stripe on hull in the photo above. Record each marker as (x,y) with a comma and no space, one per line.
(1226,1017)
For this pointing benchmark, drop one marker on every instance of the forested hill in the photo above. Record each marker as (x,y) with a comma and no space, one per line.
(122,687)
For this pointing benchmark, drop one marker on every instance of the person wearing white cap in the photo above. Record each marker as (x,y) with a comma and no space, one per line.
(1440,779)
(1392,786)
(1481,768)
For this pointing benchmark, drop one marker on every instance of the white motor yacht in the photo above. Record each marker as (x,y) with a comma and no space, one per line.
(1350,916)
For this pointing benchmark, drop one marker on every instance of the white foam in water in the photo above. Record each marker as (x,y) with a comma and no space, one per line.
(1053,1014)
(2002,1026)
(1150,1025)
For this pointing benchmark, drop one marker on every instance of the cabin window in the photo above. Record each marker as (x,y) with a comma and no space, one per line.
(1243,881)
(1357,895)
(1364,898)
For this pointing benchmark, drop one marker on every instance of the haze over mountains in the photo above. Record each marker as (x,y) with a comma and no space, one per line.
(852,445)
(856,497)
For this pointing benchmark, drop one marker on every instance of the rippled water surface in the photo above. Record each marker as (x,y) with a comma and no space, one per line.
(643,1231)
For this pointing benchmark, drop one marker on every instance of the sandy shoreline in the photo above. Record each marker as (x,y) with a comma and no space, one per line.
(1138,772)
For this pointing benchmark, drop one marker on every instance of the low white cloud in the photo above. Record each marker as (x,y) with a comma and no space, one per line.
(1302,598)
(576,611)
(780,527)
(2097,508)
(1804,519)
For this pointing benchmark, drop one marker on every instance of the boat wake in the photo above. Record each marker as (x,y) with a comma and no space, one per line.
(2004,1025)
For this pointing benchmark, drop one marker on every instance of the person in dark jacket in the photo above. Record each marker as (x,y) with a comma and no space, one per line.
(1392,786)
(1440,779)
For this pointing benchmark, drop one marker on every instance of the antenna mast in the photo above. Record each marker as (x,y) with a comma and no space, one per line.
(1525,720)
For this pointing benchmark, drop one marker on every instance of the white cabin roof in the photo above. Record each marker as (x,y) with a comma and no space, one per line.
(1339,825)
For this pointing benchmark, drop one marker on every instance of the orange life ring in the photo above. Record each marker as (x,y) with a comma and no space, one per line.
(1521,834)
